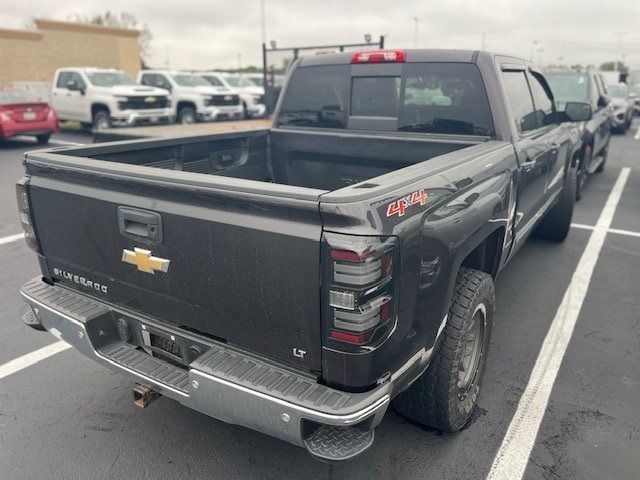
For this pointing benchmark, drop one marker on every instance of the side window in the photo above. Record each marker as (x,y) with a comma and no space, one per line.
(78,79)
(63,78)
(147,79)
(162,82)
(520,100)
(543,103)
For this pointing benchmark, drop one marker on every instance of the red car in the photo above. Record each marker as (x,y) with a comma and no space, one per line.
(23,114)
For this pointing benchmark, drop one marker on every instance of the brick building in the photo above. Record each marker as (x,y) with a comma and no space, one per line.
(34,55)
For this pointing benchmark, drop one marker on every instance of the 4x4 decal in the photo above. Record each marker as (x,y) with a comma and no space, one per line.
(399,206)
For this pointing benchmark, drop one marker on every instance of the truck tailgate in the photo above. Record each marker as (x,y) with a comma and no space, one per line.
(243,266)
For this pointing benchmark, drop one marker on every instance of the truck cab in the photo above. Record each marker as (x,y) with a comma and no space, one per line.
(193,98)
(106,97)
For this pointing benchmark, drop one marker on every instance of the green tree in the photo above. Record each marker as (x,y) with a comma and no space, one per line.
(611,66)
(120,20)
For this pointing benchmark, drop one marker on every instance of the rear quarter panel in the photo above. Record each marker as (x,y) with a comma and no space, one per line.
(468,197)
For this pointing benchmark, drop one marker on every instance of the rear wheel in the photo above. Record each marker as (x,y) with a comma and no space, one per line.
(445,396)
(604,155)
(43,139)
(101,120)
(556,223)
(581,172)
(186,115)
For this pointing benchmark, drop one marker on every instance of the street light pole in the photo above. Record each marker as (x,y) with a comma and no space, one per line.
(416,21)
(263,22)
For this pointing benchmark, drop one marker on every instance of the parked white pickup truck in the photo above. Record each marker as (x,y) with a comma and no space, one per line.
(105,97)
(193,98)
(252,95)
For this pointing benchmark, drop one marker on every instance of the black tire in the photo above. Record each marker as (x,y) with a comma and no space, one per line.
(101,120)
(581,175)
(43,139)
(556,223)
(186,115)
(604,155)
(445,395)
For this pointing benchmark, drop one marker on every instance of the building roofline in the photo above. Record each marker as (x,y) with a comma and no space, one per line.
(20,34)
(44,24)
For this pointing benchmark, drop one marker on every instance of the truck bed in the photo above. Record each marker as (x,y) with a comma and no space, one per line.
(324,161)
(239,222)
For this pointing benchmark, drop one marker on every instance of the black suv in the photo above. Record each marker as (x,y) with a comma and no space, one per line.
(572,86)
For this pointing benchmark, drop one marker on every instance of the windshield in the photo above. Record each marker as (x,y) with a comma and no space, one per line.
(236,81)
(187,80)
(213,80)
(567,87)
(447,98)
(255,81)
(617,91)
(110,79)
(16,96)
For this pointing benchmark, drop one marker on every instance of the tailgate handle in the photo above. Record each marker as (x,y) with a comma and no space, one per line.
(140,224)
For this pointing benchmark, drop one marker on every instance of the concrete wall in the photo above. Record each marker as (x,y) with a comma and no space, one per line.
(35,55)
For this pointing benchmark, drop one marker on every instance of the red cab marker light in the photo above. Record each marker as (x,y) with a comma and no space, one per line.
(379,56)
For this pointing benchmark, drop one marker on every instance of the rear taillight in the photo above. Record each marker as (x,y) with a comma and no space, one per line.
(359,292)
(24,210)
(379,56)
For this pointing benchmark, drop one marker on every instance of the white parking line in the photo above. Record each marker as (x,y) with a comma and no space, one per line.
(32,358)
(512,457)
(11,238)
(618,231)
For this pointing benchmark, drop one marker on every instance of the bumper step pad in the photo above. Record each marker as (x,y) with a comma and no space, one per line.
(334,443)
(144,364)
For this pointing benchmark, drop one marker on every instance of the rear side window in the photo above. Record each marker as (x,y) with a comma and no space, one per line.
(543,103)
(447,98)
(520,100)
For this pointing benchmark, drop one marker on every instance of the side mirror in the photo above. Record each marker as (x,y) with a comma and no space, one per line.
(603,101)
(578,112)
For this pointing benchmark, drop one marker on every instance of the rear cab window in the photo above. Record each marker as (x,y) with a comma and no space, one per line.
(436,98)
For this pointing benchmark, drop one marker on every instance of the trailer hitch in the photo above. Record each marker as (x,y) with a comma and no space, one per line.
(143,395)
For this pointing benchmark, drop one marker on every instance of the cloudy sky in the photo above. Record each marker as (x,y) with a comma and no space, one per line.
(217,33)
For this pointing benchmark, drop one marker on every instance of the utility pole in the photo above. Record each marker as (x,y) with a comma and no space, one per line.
(533,45)
(618,51)
(540,52)
(263,22)
(416,21)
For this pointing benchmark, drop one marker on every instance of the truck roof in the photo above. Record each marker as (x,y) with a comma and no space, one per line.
(412,55)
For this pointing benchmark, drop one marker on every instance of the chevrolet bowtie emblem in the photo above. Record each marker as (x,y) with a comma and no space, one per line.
(142,259)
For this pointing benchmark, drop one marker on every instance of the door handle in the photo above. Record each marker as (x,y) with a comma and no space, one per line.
(140,223)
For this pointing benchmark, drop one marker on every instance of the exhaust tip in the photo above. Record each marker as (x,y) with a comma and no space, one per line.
(143,395)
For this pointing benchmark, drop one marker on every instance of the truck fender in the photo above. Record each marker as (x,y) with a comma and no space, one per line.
(472,229)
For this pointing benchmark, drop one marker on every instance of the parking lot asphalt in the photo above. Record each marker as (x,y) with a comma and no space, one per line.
(66,417)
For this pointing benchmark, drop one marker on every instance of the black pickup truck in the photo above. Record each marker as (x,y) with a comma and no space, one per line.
(296,280)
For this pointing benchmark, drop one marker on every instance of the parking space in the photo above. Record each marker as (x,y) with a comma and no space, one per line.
(69,418)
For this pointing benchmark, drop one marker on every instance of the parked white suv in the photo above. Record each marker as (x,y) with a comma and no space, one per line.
(252,96)
(192,97)
(105,97)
